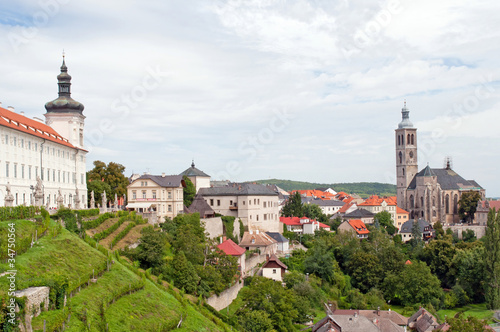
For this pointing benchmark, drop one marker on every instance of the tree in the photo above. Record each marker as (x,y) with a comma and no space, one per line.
(98,187)
(468,205)
(152,248)
(111,174)
(256,321)
(385,220)
(313,211)
(416,241)
(336,223)
(492,260)
(414,285)
(293,207)
(438,254)
(185,276)
(365,270)
(438,227)
(320,262)
(468,266)
(469,324)
(189,191)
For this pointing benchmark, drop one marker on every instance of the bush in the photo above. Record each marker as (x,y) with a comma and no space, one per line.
(87,213)
(96,222)
(18,212)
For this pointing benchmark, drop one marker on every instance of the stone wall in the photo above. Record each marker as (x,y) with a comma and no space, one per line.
(226,297)
(251,264)
(213,226)
(480,231)
(35,296)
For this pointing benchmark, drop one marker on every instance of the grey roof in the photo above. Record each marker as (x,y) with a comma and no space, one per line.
(359,213)
(201,206)
(239,189)
(193,171)
(278,237)
(447,178)
(329,202)
(408,225)
(405,122)
(168,181)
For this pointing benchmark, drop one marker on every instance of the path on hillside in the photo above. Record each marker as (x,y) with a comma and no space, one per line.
(107,240)
(131,238)
(105,225)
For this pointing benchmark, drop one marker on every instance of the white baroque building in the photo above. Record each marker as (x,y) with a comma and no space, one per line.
(44,163)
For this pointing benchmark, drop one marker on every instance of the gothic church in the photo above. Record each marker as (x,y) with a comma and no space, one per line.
(432,193)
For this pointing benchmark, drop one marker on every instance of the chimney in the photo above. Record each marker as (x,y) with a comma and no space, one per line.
(256,231)
(0,104)
(162,175)
(378,311)
(355,314)
(22,113)
(224,238)
(11,108)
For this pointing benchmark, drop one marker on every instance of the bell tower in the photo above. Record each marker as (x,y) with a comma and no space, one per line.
(65,114)
(406,156)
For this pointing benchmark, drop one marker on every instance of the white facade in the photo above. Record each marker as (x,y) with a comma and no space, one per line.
(24,157)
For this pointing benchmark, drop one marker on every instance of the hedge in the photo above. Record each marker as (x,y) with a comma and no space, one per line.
(122,234)
(96,222)
(87,213)
(18,212)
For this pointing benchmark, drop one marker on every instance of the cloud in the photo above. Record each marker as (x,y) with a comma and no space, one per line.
(341,68)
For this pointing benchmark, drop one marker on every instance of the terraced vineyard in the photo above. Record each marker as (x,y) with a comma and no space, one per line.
(103,291)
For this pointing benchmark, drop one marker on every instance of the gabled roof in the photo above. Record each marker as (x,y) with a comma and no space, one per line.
(346,207)
(447,178)
(315,193)
(377,201)
(296,221)
(359,213)
(329,202)
(193,171)
(230,248)
(32,127)
(491,205)
(274,259)
(323,225)
(278,237)
(358,226)
(408,225)
(167,181)
(239,189)
(256,239)
(401,211)
(201,206)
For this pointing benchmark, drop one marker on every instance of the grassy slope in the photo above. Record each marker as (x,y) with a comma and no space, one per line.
(108,239)
(132,237)
(475,310)
(67,256)
(361,188)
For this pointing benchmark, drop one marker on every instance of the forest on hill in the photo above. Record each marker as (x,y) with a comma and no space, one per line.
(364,189)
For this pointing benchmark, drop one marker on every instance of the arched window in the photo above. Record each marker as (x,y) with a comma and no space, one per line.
(455,203)
(412,202)
(400,157)
(433,201)
(412,137)
(399,140)
(447,203)
(434,213)
(403,171)
(408,139)
(422,202)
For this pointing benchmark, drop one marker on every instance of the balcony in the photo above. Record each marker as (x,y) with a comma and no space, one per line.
(233,207)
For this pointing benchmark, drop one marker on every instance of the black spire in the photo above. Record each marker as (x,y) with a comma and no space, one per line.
(64,103)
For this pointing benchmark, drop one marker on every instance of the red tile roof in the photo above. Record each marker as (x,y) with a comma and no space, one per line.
(26,125)
(401,211)
(323,225)
(359,226)
(324,195)
(376,201)
(345,207)
(295,221)
(230,248)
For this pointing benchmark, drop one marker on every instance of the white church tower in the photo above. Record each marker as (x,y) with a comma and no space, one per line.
(406,156)
(64,114)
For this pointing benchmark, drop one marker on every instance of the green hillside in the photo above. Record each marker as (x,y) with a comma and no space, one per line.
(364,189)
(121,298)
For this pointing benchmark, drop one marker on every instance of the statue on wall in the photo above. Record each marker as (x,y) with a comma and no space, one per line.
(92,200)
(9,198)
(104,200)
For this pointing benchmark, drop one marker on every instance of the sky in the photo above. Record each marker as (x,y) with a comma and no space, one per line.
(258,89)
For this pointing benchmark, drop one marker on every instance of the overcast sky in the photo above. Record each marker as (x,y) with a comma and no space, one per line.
(300,90)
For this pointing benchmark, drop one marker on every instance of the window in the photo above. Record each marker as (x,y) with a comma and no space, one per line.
(211,201)
(41,173)
(134,194)
(36,171)
(170,197)
(15,141)
(22,142)
(264,204)
(22,171)
(15,170)
(274,271)
(6,139)
(169,208)
(6,169)
(29,145)
(81,178)
(218,202)
(144,194)
(53,175)
(36,146)
(154,194)
(29,172)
